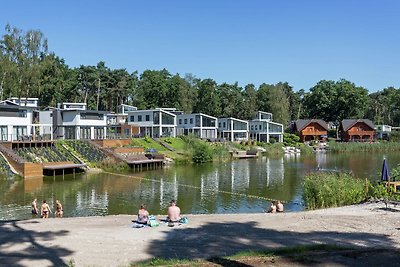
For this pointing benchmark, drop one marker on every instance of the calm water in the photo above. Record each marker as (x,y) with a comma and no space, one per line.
(231,187)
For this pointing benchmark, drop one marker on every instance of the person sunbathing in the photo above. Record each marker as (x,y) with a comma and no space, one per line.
(174,212)
(272,209)
(143,215)
(279,206)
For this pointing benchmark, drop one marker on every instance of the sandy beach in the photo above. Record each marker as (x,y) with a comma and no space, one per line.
(111,240)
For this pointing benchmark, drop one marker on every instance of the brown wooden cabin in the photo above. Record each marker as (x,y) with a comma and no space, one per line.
(310,130)
(357,130)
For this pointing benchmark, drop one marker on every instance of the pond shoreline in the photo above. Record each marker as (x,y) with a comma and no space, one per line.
(111,240)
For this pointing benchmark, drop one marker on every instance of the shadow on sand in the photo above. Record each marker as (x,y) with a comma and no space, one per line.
(18,245)
(216,240)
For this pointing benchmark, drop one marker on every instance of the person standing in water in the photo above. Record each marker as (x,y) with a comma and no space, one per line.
(59,209)
(45,210)
(34,207)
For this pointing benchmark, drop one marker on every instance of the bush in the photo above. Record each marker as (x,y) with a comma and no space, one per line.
(290,139)
(202,153)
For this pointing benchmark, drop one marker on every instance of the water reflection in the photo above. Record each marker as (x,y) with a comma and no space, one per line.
(208,188)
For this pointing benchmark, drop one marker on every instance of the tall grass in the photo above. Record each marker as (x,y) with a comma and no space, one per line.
(324,190)
(364,147)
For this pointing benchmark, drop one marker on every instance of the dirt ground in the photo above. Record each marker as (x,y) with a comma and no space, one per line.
(111,240)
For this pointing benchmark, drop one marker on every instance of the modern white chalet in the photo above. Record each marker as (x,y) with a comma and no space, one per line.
(154,122)
(73,121)
(17,122)
(262,128)
(199,124)
(233,129)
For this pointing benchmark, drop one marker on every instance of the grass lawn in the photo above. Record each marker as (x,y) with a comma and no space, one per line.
(176,143)
(147,144)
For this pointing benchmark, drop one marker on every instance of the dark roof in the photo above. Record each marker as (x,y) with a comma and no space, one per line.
(301,124)
(348,123)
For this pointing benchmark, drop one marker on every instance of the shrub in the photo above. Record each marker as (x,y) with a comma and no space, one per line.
(202,153)
(290,139)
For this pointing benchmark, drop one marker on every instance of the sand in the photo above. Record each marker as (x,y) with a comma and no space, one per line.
(111,240)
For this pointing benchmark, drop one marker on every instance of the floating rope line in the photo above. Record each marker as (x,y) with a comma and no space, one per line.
(195,187)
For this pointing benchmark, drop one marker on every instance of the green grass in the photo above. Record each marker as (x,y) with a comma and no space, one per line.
(176,143)
(342,147)
(148,143)
(324,190)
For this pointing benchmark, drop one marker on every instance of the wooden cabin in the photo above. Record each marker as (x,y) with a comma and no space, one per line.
(357,130)
(310,130)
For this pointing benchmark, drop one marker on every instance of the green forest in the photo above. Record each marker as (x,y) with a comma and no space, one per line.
(28,68)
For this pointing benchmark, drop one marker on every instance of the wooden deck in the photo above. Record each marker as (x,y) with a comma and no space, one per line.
(61,168)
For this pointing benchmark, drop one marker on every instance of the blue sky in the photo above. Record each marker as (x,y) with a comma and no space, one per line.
(300,42)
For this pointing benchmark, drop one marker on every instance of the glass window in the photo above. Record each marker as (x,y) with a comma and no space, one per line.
(180,121)
(156,117)
(132,118)
(255,127)
(185,121)
(208,122)
(139,117)
(224,124)
(22,113)
(191,121)
(147,117)
(219,125)
(167,119)
(252,127)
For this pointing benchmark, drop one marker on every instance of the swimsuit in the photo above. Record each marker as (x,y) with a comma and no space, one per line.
(34,211)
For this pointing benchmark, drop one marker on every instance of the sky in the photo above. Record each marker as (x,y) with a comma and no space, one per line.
(259,41)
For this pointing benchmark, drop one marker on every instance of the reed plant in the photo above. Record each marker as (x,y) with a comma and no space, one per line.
(342,147)
(324,190)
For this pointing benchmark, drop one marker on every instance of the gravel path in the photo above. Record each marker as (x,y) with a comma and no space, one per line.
(111,241)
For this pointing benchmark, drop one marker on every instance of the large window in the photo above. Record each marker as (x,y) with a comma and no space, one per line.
(208,122)
(156,117)
(3,133)
(139,118)
(69,132)
(147,117)
(132,118)
(98,132)
(167,119)
(274,128)
(85,133)
(239,125)
(22,113)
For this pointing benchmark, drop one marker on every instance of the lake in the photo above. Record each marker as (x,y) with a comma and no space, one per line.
(233,187)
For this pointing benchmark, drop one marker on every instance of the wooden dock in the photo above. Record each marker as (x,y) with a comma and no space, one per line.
(61,167)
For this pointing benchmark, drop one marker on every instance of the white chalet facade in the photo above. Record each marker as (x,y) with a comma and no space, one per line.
(199,124)
(233,129)
(154,123)
(73,121)
(262,128)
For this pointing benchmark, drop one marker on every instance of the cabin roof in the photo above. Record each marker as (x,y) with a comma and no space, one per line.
(348,123)
(301,124)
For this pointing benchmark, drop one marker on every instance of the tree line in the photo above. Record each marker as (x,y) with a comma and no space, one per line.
(29,69)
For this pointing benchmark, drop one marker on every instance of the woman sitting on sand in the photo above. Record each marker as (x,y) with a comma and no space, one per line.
(143,215)
(272,209)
